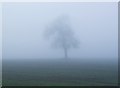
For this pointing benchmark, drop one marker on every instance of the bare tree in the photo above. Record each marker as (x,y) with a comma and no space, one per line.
(62,34)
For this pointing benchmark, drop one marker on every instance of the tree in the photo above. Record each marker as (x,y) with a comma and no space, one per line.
(62,35)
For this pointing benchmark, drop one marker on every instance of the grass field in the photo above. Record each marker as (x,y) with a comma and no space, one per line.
(59,73)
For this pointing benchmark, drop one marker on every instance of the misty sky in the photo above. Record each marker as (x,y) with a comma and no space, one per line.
(95,26)
(0,31)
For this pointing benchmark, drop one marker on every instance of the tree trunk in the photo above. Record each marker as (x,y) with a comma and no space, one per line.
(66,53)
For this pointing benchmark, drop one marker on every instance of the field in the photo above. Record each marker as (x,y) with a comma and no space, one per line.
(59,73)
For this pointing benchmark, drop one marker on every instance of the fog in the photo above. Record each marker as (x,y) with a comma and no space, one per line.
(94,24)
(0,44)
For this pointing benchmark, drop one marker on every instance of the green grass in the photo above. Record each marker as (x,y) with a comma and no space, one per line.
(59,73)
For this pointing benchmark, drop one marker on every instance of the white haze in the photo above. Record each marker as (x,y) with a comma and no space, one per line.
(0,45)
(95,26)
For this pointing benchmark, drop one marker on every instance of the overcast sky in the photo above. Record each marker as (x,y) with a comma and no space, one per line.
(95,26)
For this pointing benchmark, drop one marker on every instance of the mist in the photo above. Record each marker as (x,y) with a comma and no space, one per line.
(89,41)
(94,24)
(0,44)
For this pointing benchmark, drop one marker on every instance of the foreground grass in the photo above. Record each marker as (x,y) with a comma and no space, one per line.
(59,73)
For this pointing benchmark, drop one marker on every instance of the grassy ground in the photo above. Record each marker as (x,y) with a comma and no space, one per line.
(59,73)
